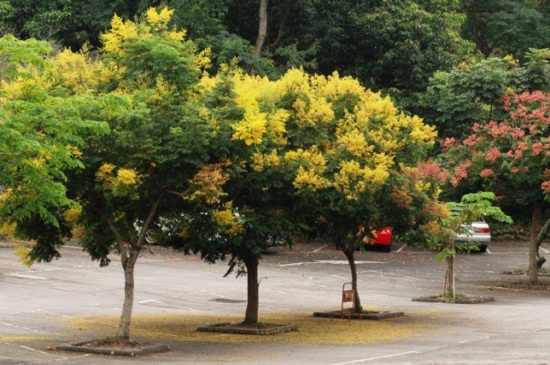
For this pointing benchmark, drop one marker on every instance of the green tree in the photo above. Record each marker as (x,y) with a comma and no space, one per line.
(507,27)
(71,23)
(389,45)
(40,140)
(471,208)
(471,92)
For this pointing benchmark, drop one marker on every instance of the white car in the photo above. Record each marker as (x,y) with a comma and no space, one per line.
(478,232)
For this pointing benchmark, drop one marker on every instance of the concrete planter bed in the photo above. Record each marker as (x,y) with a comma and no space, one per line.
(462,299)
(241,329)
(107,347)
(370,315)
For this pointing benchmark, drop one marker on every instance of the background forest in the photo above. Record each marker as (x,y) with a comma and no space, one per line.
(398,47)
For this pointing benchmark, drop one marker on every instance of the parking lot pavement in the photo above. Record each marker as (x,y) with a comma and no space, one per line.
(38,303)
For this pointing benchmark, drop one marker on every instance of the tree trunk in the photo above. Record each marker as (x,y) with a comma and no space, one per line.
(253,288)
(282,25)
(128,264)
(262,33)
(541,236)
(449,288)
(350,255)
(536,222)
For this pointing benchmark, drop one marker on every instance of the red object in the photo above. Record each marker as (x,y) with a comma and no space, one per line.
(383,236)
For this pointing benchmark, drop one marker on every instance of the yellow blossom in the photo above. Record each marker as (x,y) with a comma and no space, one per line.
(126,177)
(120,31)
(159,20)
(105,171)
(228,219)
(24,254)
(309,179)
(261,160)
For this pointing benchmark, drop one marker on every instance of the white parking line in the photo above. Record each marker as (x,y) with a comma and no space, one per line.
(319,249)
(25,276)
(401,248)
(543,250)
(377,358)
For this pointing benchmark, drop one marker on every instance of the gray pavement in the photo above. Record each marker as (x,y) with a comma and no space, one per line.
(37,303)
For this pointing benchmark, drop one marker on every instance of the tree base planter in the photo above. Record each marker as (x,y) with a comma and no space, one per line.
(371,315)
(461,299)
(542,273)
(114,348)
(242,329)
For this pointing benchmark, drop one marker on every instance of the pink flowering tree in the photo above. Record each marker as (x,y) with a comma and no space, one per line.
(510,157)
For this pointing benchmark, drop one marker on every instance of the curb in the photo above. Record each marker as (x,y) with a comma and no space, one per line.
(228,329)
(470,300)
(81,347)
(371,315)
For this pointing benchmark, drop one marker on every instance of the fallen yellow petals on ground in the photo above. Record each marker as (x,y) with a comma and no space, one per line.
(311,330)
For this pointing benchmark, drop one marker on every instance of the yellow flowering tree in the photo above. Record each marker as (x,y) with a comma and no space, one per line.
(305,152)
(252,212)
(157,145)
(349,149)
(112,140)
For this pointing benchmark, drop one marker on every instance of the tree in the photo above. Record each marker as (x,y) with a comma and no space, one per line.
(507,27)
(471,92)
(510,157)
(157,142)
(394,46)
(472,207)
(143,94)
(40,141)
(70,23)
(349,145)
(255,209)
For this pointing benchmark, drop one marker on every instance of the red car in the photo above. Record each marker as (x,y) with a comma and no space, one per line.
(382,240)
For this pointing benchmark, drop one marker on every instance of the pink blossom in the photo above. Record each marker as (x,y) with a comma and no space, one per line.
(518,154)
(546,186)
(522,146)
(433,170)
(470,141)
(537,148)
(492,154)
(487,173)
(518,133)
(514,170)
(448,143)
(510,154)
(461,171)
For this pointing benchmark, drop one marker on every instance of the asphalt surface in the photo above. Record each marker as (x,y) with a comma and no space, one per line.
(37,303)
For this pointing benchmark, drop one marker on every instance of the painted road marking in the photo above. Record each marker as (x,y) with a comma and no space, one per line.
(25,276)
(377,358)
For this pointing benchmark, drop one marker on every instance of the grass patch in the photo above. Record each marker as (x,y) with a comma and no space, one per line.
(183,326)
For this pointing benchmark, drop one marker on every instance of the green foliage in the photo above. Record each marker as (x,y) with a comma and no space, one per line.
(471,92)
(40,136)
(507,27)
(14,52)
(471,208)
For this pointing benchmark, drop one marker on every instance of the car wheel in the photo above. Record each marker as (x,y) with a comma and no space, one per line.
(386,248)
(482,248)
